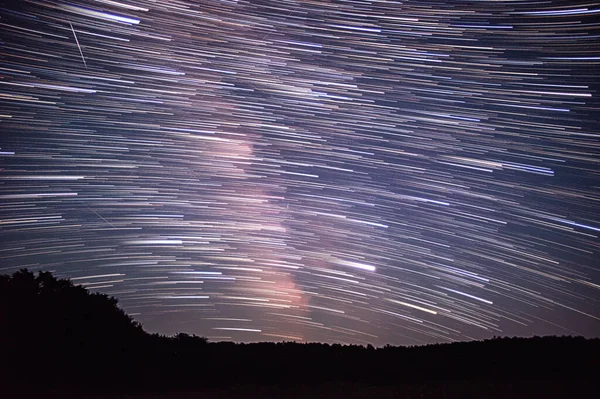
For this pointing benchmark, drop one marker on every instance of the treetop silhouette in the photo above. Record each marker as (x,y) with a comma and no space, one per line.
(52,328)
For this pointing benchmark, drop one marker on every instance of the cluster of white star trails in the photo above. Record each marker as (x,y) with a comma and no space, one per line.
(340,171)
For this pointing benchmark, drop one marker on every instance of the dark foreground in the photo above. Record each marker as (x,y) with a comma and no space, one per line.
(186,367)
(464,389)
(58,340)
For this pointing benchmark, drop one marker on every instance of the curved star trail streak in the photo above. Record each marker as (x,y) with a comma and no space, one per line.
(341,171)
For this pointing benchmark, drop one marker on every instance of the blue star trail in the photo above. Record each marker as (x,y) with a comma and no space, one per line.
(338,171)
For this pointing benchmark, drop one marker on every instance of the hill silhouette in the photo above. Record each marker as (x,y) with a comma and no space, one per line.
(59,337)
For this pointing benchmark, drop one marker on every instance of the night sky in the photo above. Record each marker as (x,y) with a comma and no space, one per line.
(338,171)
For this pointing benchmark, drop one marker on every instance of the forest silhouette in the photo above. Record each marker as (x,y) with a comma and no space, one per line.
(57,336)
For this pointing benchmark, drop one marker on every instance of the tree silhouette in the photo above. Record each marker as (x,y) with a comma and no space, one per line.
(63,334)
(51,327)
(61,310)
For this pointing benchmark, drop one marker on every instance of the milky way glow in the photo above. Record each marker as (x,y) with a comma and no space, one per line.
(339,171)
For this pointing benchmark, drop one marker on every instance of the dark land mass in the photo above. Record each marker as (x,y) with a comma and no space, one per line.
(59,340)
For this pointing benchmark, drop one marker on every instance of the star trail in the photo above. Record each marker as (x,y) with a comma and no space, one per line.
(338,171)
